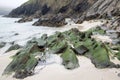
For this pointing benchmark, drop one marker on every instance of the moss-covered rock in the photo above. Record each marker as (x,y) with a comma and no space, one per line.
(100,56)
(24,60)
(14,47)
(81,49)
(70,60)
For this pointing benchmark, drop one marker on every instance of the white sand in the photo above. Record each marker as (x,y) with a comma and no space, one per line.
(86,71)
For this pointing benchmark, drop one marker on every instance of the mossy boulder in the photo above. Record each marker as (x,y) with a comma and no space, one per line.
(70,60)
(24,60)
(58,46)
(100,56)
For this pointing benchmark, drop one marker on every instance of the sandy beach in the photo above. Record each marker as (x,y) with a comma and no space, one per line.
(58,72)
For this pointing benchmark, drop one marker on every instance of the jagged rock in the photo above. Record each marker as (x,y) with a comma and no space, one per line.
(14,47)
(25,19)
(2,44)
(70,60)
(104,8)
(38,8)
(24,60)
(22,74)
(68,43)
(81,50)
(56,21)
(100,56)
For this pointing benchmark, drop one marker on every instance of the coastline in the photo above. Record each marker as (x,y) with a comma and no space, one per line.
(58,72)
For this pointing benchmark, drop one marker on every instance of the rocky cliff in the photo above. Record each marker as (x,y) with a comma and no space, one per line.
(53,12)
(44,7)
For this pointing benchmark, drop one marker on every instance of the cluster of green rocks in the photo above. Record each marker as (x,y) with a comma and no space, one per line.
(68,45)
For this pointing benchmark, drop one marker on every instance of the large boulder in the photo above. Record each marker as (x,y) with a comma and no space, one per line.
(23,61)
(100,56)
(70,60)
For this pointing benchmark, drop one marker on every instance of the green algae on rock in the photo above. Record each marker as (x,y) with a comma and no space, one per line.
(69,44)
(70,60)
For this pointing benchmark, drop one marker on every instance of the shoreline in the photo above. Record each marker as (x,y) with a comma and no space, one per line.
(57,72)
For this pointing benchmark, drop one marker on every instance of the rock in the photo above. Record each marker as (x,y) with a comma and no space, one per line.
(25,19)
(81,50)
(56,43)
(58,46)
(100,56)
(13,47)
(16,34)
(39,8)
(24,60)
(44,36)
(70,60)
(2,44)
(56,21)
(22,74)
(118,74)
(103,8)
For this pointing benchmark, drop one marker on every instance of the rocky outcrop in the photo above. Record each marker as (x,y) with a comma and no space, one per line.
(51,21)
(103,9)
(82,9)
(25,19)
(43,7)
(68,45)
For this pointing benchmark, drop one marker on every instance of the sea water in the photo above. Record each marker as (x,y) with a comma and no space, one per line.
(22,32)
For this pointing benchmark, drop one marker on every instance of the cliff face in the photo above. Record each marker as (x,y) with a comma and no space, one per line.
(43,7)
(53,12)
(104,8)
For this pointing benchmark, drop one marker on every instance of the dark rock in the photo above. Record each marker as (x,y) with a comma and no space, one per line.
(14,47)
(70,60)
(56,21)
(44,36)
(100,57)
(81,50)
(16,34)
(24,60)
(2,44)
(103,8)
(118,74)
(25,19)
(38,8)
(22,74)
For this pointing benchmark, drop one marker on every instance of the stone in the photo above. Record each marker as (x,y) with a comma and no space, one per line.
(25,19)
(2,44)
(100,56)
(14,47)
(70,60)
(56,21)
(24,59)
(81,50)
